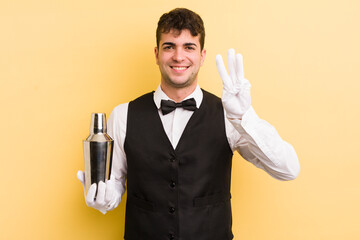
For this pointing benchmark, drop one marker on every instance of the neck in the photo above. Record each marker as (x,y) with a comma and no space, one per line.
(178,94)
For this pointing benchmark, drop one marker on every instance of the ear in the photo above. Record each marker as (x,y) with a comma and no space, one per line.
(203,55)
(156,51)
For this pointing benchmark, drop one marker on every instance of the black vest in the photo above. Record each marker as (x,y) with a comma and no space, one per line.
(181,193)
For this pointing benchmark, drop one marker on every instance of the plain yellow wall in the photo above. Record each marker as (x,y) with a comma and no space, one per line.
(62,60)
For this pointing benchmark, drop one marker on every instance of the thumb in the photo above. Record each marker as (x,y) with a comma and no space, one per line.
(81,176)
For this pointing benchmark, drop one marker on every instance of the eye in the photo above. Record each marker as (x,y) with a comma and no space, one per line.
(168,47)
(190,48)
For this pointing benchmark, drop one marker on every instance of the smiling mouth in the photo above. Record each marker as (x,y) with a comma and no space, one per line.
(179,68)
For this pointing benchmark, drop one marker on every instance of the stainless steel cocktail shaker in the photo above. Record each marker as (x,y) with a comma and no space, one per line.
(98,149)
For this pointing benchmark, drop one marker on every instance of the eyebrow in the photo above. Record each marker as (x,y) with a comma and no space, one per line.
(190,44)
(173,44)
(168,43)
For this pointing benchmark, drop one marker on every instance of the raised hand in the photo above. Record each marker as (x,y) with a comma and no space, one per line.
(236,89)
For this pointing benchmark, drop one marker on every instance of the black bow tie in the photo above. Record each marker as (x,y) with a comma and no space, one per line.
(167,106)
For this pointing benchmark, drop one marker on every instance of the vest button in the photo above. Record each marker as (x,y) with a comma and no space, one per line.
(172,159)
(172,184)
(171,236)
(171,209)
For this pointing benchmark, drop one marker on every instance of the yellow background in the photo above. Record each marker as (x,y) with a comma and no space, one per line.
(62,60)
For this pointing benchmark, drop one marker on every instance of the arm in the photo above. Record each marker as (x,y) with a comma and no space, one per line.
(117,131)
(255,139)
(109,194)
(259,143)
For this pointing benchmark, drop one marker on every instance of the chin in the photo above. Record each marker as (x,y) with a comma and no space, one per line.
(178,81)
(181,84)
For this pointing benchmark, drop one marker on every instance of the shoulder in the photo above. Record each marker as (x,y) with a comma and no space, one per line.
(120,109)
(142,103)
(144,97)
(118,115)
(211,98)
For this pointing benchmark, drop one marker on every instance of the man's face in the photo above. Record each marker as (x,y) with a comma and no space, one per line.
(179,57)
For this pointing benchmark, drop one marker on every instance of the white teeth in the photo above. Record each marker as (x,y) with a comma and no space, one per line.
(179,68)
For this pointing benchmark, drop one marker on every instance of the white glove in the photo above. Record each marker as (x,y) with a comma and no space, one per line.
(236,89)
(107,198)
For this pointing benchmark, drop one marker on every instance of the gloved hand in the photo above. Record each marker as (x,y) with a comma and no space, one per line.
(108,196)
(236,89)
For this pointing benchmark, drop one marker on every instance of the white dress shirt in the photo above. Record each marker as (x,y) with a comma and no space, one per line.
(256,140)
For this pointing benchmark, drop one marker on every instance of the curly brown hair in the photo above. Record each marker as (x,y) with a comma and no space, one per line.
(179,19)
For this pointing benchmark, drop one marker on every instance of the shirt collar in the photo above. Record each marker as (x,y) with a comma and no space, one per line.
(159,95)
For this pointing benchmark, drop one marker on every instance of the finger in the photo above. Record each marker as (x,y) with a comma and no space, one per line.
(89,199)
(100,197)
(223,73)
(110,195)
(239,65)
(112,178)
(110,188)
(231,64)
(81,176)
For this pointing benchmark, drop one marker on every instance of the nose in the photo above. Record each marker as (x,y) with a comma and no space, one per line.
(179,55)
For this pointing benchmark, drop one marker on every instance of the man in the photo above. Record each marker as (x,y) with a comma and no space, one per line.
(174,146)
